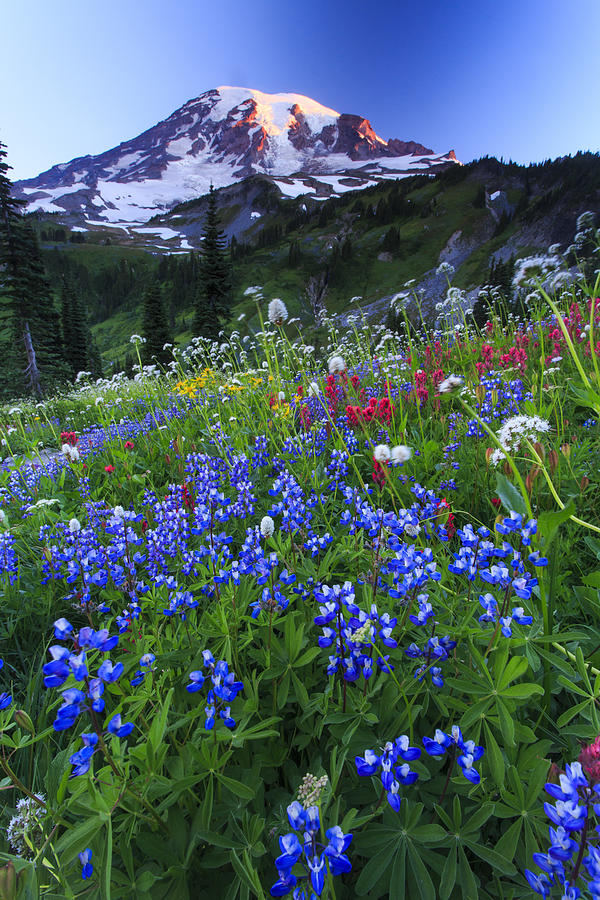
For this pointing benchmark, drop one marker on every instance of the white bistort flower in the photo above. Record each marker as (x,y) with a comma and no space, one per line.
(336,365)
(382,453)
(313,389)
(401,454)
(277,312)
(74,526)
(267,526)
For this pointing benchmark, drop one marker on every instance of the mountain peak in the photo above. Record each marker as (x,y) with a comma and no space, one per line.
(220,137)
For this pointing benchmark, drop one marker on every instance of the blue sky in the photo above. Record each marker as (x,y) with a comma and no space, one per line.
(518,79)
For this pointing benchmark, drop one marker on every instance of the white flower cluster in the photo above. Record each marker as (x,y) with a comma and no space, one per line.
(137,339)
(42,503)
(277,312)
(25,829)
(451,383)
(267,526)
(515,430)
(311,788)
(71,452)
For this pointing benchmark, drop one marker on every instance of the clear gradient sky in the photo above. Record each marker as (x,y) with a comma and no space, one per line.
(512,78)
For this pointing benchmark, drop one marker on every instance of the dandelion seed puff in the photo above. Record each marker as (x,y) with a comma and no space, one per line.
(336,365)
(382,453)
(267,526)
(74,526)
(401,454)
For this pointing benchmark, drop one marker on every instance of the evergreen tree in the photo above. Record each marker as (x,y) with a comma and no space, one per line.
(213,296)
(75,329)
(294,254)
(33,352)
(391,241)
(155,326)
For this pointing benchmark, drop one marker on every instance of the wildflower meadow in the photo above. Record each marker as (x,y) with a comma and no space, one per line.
(296,622)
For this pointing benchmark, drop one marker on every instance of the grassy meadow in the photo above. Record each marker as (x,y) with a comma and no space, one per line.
(286,621)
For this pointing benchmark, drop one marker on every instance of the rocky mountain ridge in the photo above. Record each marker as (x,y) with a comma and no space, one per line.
(220,138)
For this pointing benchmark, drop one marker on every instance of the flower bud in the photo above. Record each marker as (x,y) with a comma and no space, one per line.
(553,461)
(8,882)
(584,483)
(23,720)
(531,476)
(566,450)
(540,450)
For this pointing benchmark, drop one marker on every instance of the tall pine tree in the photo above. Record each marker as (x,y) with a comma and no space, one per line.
(30,328)
(213,296)
(75,329)
(155,326)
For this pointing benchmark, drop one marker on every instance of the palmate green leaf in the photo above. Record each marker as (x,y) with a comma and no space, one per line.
(575,688)
(424,884)
(507,724)
(515,667)
(492,857)
(475,712)
(569,714)
(507,845)
(448,877)
(159,722)
(522,691)
(466,879)
(236,787)
(375,868)
(494,757)
(428,834)
(397,887)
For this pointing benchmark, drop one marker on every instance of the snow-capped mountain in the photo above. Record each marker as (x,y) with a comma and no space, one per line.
(222,136)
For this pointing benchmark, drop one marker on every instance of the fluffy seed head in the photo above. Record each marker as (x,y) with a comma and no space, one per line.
(382,453)
(401,453)
(336,365)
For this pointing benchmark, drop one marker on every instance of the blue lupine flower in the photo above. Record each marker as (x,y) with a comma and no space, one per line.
(312,855)
(392,775)
(85,859)
(110,672)
(62,629)
(81,760)
(115,727)
(469,752)
(197,679)
(224,690)
(5,700)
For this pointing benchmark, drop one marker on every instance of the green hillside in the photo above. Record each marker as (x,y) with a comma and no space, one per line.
(365,243)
